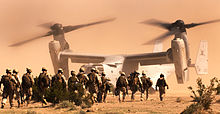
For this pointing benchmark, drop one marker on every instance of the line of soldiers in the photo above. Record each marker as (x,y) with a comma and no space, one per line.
(95,83)
(135,83)
(12,85)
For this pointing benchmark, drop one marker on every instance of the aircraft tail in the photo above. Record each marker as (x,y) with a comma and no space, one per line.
(201,64)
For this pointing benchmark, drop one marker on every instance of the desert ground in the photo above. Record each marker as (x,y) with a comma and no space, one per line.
(174,103)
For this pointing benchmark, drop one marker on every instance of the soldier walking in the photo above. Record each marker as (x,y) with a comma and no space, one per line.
(135,84)
(102,94)
(161,83)
(27,83)
(93,84)
(9,88)
(17,87)
(83,79)
(73,87)
(121,86)
(44,84)
(58,85)
(146,84)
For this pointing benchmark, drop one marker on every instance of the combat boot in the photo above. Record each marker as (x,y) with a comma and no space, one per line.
(18,104)
(3,105)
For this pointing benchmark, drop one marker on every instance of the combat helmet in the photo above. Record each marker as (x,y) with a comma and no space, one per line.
(103,74)
(81,69)
(161,75)
(15,71)
(73,73)
(143,73)
(93,70)
(44,69)
(8,71)
(122,74)
(28,70)
(60,70)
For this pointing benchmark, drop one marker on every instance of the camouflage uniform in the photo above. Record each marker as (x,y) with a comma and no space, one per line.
(44,84)
(9,88)
(72,82)
(161,83)
(135,84)
(146,84)
(76,89)
(18,86)
(121,86)
(27,83)
(58,85)
(93,84)
(103,88)
(83,79)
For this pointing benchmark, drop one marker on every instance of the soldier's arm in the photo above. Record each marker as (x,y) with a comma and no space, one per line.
(166,84)
(157,85)
(1,81)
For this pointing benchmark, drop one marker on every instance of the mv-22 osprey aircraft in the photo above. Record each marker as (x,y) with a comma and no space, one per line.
(178,54)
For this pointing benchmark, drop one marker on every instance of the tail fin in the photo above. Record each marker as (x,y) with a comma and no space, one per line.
(202,58)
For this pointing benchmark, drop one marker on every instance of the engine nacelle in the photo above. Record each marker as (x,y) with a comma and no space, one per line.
(179,60)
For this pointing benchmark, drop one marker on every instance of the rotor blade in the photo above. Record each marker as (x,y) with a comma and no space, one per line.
(202,23)
(155,22)
(29,40)
(46,25)
(161,37)
(71,28)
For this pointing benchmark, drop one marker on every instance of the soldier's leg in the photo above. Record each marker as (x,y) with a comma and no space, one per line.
(147,90)
(119,94)
(17,93)
(4,98)
(161,92)
(124,94)
(133,93)
(28,95)
(11,96)
(105,95)
(99,98)
(142,93)
(21,96)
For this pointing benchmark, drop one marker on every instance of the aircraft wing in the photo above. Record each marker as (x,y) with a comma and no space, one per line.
(149,58)
(83,58)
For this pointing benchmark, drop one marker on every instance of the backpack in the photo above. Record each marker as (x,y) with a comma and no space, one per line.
(26,81)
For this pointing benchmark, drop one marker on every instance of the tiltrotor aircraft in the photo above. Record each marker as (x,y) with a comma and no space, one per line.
(178,54)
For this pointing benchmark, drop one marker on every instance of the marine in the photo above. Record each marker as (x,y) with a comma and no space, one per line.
(72,82)
(93,84)
(27,83)
(44,84)
(121,86)
(82,77)
(17,87)
(103,88)
(146,84)
(135,84)
(9,87)
(76,89)
(161,83)
(58,85)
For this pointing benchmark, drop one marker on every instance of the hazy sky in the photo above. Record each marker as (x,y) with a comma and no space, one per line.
(19,20)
